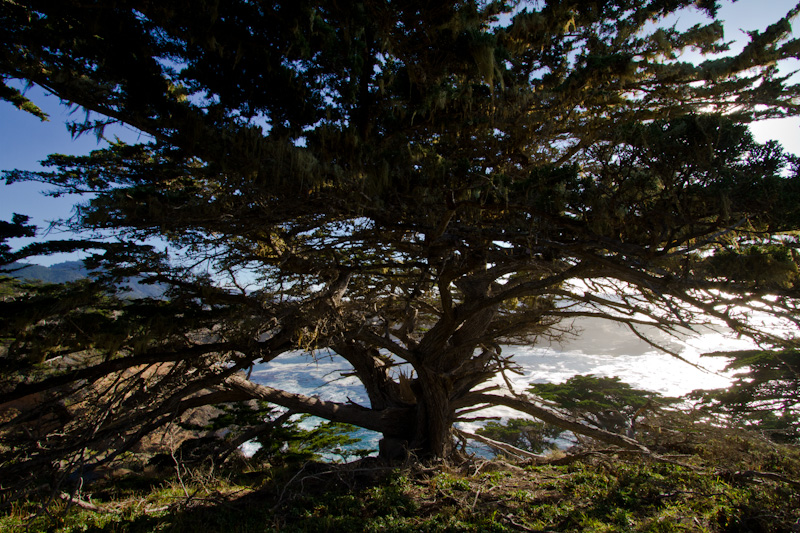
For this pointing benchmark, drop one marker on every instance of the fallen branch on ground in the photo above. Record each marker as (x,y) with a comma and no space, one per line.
(513,450)
(83,504)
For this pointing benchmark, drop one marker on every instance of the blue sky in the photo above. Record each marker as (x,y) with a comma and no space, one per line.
(24,140)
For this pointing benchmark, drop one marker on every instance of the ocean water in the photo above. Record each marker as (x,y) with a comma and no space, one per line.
(601,348)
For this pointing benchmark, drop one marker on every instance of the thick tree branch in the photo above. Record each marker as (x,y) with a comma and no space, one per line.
(513,450)
(551,417)
(389,421)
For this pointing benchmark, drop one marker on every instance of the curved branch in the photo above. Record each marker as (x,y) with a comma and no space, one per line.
(388,421)
(369,337)
(551,417)
(496,444)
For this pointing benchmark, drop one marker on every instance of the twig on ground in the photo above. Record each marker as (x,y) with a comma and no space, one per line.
(83,504)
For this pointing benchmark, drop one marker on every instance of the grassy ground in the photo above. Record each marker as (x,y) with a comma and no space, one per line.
(729,483)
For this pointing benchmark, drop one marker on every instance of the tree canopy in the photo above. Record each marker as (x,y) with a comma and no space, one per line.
(410,187)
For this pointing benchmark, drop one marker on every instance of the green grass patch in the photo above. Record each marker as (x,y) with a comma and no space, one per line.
(732,485)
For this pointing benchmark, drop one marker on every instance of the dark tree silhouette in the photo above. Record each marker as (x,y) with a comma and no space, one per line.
(408,187)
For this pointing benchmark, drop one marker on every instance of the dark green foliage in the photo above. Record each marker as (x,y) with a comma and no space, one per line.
(404,186)
(529,435)
(19,101)
(764,396)
(73,353)
(328,440)
(772,267)
(605,402)
(282,438)
(44,321)
(290,440)
(18,227)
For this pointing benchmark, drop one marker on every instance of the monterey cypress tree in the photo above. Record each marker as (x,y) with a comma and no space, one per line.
(409,187)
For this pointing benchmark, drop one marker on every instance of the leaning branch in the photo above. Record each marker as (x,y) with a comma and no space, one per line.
(108,367)
(551,417)
(387,421)
(513,450)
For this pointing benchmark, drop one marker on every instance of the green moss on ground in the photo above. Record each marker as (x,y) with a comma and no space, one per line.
(731,482)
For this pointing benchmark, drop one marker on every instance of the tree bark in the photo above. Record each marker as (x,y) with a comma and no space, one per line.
(435,415)
(372,372)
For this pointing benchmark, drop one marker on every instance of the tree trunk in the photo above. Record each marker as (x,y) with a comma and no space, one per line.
(435,415)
